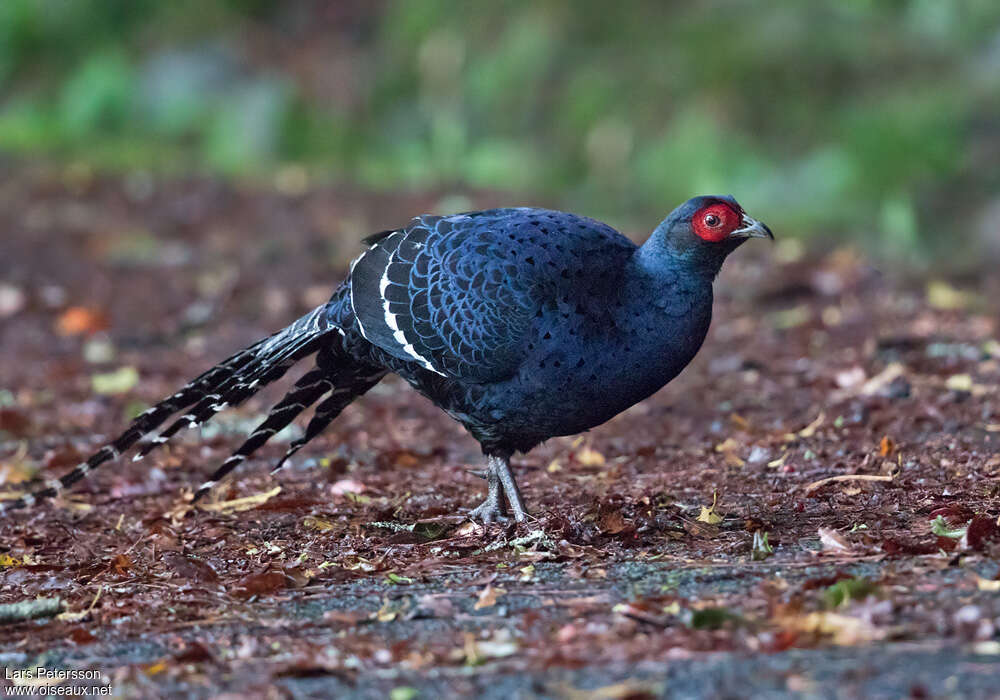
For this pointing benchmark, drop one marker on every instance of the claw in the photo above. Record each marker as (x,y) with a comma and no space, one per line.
(488,513)
(478,473)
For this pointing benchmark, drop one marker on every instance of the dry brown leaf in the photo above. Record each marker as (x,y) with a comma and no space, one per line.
(78,320)
(886,446)
(728,449)
(240,504)
(844,630)
(488,597)
(833,541)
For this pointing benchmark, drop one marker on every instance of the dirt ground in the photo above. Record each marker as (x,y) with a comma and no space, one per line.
(843,420)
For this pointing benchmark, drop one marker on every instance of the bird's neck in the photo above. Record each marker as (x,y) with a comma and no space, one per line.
(657,265)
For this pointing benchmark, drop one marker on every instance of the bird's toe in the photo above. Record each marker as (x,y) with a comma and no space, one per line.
(488,513)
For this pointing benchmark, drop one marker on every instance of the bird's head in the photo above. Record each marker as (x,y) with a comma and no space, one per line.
(704,230)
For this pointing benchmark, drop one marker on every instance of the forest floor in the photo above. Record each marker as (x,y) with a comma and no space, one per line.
(810,509)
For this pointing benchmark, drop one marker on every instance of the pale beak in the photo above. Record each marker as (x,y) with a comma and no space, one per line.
(751,228)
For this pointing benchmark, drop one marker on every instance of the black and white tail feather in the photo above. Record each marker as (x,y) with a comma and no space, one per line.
(228,384)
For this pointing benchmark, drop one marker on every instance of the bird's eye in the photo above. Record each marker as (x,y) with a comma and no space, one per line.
(712,220)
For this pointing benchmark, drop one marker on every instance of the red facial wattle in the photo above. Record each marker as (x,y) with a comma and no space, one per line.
(715,222)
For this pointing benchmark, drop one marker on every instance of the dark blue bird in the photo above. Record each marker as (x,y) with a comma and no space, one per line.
(521,324)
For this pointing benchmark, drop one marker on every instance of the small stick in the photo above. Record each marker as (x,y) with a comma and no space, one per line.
(848,477)
(30,609)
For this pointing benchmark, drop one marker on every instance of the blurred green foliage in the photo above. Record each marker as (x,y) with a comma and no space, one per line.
(877,117)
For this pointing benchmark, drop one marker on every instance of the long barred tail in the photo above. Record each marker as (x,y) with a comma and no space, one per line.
(345,384)
(227,384)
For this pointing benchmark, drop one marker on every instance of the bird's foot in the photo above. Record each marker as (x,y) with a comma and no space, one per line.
(489,512)
(502,491)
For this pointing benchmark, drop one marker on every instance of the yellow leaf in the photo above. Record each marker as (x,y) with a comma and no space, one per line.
(153,669)
(959,382)
(727,445)
(708,515)
(810,429)
(941,295)
(589,457)
(319,524)
(245,503)
(116,382)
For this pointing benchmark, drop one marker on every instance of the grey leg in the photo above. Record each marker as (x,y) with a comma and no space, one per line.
(491,510)
(501,465)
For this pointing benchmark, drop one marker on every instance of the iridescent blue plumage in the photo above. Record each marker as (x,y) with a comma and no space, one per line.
(522,324)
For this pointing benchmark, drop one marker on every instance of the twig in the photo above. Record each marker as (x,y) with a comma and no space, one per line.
(30,609)
(848,477)
(245,503)
(78,616)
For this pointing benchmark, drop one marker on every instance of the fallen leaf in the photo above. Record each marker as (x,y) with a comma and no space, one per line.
(833,541)
(79,616)
(613,522)
(311,522)
(240,504)
(943,296)
(190,568)
(117,382)
(260,584)
(626,690)
(980,531)
(78,320)
(488,597)
(846,590)
(874,385)
(9,562)
(711,618)
(886,446)
(760,549)
(810,429)
(959,382)
(728,449)
(843,629)
(708,514)
(345,486)
(589,457)
(988,585)
(121,564)
(940,527)
(403,692)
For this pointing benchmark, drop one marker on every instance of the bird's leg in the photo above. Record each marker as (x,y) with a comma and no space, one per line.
(491,510)
(498,476)
(501,467)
